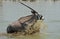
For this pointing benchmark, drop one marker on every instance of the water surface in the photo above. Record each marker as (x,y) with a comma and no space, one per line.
(11,11)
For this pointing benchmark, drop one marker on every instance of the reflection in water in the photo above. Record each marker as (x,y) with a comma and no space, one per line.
(33,0)
(18,0)
(14,0)
(55,0)
(30,0)
(24,0)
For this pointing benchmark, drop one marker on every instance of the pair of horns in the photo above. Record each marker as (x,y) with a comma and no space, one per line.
(32,10)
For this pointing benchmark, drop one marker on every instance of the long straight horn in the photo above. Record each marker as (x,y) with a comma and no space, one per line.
(33,11)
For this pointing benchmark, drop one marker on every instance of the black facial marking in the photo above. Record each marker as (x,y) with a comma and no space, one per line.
(10,29)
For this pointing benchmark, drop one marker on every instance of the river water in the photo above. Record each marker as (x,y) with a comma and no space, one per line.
(11,11)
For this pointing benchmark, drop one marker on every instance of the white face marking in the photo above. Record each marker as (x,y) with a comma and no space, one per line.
(43,18)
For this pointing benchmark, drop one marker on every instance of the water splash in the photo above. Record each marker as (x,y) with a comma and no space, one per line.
(38,25)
